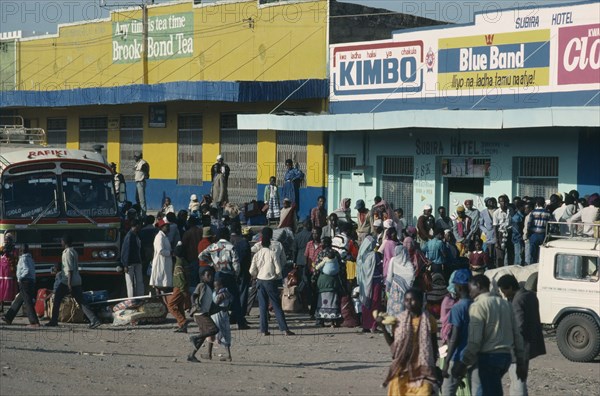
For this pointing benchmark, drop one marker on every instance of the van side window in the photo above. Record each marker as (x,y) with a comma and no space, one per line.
(573,267)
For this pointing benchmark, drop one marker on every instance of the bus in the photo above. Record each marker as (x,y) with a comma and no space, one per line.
(50,192)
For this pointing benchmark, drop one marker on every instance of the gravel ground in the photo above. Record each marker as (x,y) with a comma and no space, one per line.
(150,360)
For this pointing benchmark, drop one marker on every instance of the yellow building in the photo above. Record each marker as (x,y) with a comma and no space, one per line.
(91,84)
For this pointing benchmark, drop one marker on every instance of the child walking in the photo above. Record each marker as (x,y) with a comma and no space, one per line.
(222,298)
(271,198)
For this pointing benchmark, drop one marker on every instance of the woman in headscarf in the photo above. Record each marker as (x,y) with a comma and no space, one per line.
(400,277)
(344,212)
(413,343)
(388,247)
(388,213)
(369,274)
(9,256)
(420,263)
(329,286)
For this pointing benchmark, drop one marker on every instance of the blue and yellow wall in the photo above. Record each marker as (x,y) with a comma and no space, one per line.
(235,57)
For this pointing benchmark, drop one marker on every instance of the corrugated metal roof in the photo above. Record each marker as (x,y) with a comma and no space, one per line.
(445,119)
(219,91)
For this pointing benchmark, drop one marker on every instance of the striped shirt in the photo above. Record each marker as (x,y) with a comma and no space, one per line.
(537,221)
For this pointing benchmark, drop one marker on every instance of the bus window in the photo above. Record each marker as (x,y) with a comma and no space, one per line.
(28,196)
(89,195)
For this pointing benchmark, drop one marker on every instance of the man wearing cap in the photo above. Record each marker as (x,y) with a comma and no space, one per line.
(162,262)
(219,174)
(291,183)
(457,340)
(473,214)
(141,174)
(461,228)
(119,182)
(363,220)
(288,215)
(425,224)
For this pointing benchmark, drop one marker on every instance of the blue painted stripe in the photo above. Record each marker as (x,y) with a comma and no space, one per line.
(536,55)
(158,189)
(221,91)
(466,102)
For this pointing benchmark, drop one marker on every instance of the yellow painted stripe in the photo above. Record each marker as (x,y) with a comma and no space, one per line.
(532,36)
(160,150)
(266,154)
(113,151)
(518,79)
(73,132)
(315,160)
(211,144)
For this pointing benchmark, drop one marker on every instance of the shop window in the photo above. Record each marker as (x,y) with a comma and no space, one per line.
(573,267)
(93,131)
(347,164)
(131,139)
(291,145)
(239,152)
(536,176)
(397,183)
(56,132)
(189,149)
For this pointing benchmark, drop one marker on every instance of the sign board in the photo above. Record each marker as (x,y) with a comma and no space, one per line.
(170,36)
(529,57)
(157,117)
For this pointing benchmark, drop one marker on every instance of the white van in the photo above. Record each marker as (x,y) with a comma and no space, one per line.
(569,293)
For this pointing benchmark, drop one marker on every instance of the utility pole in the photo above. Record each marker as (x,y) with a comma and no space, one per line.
(145,42)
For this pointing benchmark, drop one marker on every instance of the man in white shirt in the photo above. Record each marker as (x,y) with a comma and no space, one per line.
(142,173)
(266,269)
(505,250)
(588,215)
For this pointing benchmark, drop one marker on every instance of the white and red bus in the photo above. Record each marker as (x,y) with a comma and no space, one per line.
(49,192)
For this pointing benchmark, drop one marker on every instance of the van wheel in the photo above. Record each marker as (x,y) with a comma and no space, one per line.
(578,337)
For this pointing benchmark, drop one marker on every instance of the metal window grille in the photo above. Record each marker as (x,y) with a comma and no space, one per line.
(92,131)
(397,183)
(57,132)
(347,164)
(291,145)
(239,152)
(131,140)
(537,176)
(189,149)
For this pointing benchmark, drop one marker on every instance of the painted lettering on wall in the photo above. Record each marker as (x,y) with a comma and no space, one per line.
(169,36)
(495,60)
(429,147)
(378,68)
(579,54)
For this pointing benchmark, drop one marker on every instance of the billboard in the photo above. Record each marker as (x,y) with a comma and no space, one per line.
(513,58)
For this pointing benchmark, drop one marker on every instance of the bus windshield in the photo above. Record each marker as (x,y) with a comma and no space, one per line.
(28,196)
(89,195)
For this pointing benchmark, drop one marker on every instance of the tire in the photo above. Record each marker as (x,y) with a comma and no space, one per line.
(578,337)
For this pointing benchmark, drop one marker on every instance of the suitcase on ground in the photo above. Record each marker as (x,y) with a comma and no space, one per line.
(40,301)
(95,296)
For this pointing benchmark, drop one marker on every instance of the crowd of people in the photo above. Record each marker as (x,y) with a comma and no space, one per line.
(372,270)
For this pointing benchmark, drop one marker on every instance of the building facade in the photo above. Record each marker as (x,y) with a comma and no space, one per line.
(509,104)
(205,63)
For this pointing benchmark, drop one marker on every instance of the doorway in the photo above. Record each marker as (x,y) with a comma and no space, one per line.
(461,188)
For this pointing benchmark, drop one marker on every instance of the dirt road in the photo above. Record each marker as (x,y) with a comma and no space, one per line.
(150,360)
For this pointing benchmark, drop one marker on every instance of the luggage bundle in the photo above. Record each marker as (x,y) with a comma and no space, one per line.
(137,313)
